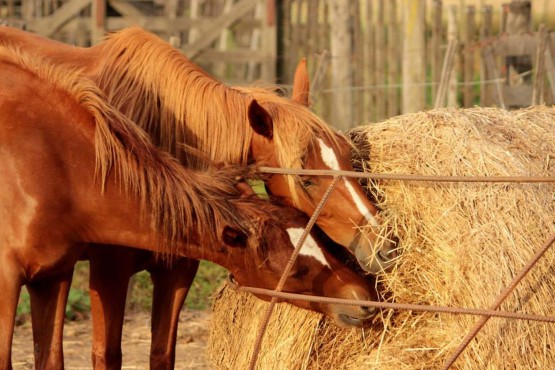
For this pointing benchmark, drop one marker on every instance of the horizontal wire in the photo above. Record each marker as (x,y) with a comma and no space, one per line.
(408,177)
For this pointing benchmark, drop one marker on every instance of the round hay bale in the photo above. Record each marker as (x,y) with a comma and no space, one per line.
(462,243)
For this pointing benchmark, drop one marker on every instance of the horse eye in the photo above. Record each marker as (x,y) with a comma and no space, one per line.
(307,182)
(300,272)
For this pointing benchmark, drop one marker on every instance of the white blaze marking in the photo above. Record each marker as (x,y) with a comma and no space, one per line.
(330,159)
(310,248)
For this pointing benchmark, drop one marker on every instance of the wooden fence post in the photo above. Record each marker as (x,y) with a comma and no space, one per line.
(360,109)
(370,61)
(485,33)
(539,73)
(342,115)
(98,15)
(380,54)
(414,73)
(468,58)
(268,67)
(435,45)
(452,37)
(393,69)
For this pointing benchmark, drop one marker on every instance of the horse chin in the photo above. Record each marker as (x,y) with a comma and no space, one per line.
(346,321)
(353,320)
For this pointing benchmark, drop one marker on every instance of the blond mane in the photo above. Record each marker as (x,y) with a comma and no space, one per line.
(180,203)
(175,101)
(178,104)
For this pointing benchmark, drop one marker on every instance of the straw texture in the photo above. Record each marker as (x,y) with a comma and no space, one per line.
(461,244)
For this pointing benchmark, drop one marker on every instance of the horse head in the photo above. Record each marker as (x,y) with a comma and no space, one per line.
(258,258)
(288,135)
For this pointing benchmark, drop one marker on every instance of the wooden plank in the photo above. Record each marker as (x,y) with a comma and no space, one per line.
(550,68)
(220,66)
(468,71)
(193,14)
(268,67)
(159,24)
(485,33)
(98,24)
(239,10)
(127,10)
(311,27)
(539,71)
(435,43)
(170,8)
(515,45)
(452,36)
(446,71)
(287,42)
(297,54)
(357,62)
(393,68)
(414,73)
(255,44)
(370,58)
(325,43)
(503,17)
(342,114)
(380,54)
(488,56)
(49,25)
(234,56)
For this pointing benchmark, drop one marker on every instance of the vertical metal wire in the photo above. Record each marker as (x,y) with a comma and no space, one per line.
(281,283)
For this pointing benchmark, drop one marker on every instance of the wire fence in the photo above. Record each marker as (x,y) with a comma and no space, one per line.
(485,314)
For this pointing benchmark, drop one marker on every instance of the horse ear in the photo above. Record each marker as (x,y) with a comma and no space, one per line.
(260,120)
(301,84)
(234,238)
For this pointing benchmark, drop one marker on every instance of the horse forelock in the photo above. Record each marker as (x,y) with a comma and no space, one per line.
(264,215)
(295,129)
(174,197)
(174,100)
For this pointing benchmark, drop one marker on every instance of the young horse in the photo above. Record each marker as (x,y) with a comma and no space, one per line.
(178,103)
(80,173)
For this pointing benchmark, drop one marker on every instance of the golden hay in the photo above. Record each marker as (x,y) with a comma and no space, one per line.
(461,243)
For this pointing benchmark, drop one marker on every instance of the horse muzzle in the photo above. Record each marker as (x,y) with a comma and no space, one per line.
(377,257)
(354,316)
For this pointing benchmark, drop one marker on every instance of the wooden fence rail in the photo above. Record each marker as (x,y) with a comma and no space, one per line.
(369,59)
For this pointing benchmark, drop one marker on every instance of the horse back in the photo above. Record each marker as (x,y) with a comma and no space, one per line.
(52,50)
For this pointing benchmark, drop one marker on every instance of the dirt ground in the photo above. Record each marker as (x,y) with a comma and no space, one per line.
(191,343)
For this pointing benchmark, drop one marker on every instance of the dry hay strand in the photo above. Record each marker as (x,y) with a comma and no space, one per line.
(461,245)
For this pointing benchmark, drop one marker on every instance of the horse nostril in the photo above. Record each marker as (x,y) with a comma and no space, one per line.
(368,311)
(388,253)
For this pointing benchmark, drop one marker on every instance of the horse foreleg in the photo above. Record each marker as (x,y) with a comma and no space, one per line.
(48,307)
(10,287)
(171,286)
(110,270)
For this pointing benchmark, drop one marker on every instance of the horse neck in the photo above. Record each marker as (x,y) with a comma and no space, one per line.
(175,101)
(116,218)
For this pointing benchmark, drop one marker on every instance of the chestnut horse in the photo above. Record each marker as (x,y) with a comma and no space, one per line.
(79,173)
(177,103)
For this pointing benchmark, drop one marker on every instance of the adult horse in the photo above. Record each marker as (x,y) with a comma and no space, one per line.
(79,173)
(178,103)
